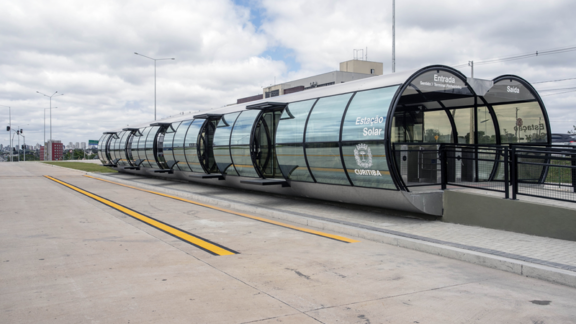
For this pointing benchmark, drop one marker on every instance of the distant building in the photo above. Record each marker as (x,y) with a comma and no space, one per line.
(349,71)
(54,152)
(83,145)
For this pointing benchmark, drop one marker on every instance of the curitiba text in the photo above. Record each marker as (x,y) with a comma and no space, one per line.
(368,172)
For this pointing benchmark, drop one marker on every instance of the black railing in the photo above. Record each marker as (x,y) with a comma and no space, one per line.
(540,171)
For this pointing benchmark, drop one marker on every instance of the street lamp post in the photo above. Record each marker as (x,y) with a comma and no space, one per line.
(55,93)
(45,148)
(10,125)
(24,147)
(154,59)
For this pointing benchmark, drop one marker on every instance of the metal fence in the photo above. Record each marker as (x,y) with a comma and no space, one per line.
(539,171)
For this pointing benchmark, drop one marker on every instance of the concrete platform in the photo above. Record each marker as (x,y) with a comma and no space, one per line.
(67,258)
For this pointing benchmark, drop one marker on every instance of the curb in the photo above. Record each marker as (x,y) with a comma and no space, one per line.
(527,269)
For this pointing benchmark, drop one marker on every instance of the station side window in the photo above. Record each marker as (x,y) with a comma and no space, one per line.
(178,146)
(222,144)
(190,145)
(240,143)
(289,141)
(169,144)
(363,133)
(149,147)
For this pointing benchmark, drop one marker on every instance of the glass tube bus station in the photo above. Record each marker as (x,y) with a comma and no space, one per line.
(372,142)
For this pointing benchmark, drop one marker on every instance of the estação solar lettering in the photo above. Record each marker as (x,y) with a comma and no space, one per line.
(370,120)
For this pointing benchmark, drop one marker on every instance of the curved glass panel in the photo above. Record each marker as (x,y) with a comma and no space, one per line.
(239,143)
(190,145)
(130,145)
(366,165)
(292,162)
(325,119)
(169,142)
(122,149)
(178,146)
(325,163)
(159,151)
(114,147)
(223,160)
(223,129)
(292,122)
(142,147)
(437,81)
(366,116)
(464,121)
(206,149)
(101,149)
(107,148)
(149,147)
(222,144)
(505,91)
(243,127)
(521,123)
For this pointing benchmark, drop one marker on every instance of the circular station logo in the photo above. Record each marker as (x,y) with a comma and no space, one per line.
(363,156)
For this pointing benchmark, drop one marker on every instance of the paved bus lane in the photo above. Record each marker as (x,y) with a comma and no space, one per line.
(100,265)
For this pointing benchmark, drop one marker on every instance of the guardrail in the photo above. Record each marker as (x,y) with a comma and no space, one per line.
(543,171)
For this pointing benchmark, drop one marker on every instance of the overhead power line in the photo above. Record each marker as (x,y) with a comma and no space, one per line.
(551,94)
(559,89)
(553,80)
(523,56)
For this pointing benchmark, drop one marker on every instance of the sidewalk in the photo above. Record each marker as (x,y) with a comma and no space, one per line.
(532,256)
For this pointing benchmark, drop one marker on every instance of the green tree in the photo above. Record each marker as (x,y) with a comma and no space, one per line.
(573,131)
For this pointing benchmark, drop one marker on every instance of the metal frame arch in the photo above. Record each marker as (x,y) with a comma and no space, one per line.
(392,165)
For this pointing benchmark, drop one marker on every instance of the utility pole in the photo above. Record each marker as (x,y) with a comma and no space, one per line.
(393,36)
(10,130)
(471,65)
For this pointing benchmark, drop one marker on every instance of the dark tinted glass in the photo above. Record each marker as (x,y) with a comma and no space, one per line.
(325,163)
(292,122)
(366,115)
(122,149)
(325,119)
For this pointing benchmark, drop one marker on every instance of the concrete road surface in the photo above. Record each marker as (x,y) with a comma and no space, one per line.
(66,257)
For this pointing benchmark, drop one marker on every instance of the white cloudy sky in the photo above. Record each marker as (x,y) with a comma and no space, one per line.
(226,50)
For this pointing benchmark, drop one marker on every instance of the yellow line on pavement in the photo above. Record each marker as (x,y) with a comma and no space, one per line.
(301,229)
(205,245)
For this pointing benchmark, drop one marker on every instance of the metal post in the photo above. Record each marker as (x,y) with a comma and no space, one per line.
(506,174)
(444,167)
(471,65)
(10,126)
(514,169)
(154,89)
(18,150)
(24,148)
(573,162)
(393,36)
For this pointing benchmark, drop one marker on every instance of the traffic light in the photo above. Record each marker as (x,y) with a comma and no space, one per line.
(7,128)
(21,131)
(23,147)
(17,132)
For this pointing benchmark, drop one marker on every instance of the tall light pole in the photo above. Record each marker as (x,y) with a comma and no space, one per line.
(10,125)
(54,94)
(46,148)
(154,59)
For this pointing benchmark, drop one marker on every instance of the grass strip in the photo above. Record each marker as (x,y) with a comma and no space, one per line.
(88,167)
